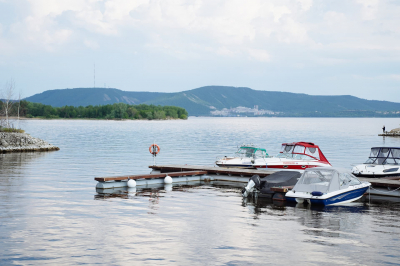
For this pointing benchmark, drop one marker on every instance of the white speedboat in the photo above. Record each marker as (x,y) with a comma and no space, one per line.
(327,186)
(382,162)
(297,155)
(246,156)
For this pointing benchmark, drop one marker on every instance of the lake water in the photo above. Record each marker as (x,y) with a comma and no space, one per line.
(51,214)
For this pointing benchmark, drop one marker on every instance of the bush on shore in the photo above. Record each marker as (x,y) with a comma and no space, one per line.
(110,111)
(11,130)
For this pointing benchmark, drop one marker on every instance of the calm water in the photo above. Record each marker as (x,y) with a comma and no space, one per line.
(51,214)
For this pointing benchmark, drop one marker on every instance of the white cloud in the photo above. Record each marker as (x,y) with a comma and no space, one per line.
(369,8)
(291,34)
(119,10)
(259,55)
(91,44)
(236,24)
(240,25)
(306,4)
(394,77)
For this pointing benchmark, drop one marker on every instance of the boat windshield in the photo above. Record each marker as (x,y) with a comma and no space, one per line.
(325,181)
(315,181)
(313,152)
(245,152)
(287,148)
(298,149)
(251,152)
(348,179)
(383,155)
(298,152)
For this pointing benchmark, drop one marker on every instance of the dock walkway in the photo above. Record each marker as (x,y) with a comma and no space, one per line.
(389,134)
(380,186)
(184,173)
(212,170)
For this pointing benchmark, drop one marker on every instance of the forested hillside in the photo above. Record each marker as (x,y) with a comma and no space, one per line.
(205,100)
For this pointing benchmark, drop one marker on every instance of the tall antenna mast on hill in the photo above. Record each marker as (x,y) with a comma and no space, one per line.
(94,75)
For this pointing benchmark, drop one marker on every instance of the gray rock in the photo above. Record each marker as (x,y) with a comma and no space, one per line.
(12,142)
(4,143)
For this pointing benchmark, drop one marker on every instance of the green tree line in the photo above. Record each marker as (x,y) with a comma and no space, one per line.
(110,111)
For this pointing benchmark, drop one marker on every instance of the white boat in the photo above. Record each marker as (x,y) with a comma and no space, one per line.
(382,162)
(327,186)
(297,155)
(246,156)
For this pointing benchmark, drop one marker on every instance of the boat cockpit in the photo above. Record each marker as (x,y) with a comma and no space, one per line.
(298,152)
(251,152)
(384,155)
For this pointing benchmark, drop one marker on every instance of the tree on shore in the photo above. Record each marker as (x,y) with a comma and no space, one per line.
(6,97)
(110,111)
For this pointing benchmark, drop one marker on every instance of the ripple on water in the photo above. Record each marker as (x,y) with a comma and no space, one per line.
(51,213)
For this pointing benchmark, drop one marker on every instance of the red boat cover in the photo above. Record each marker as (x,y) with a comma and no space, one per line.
(322,157)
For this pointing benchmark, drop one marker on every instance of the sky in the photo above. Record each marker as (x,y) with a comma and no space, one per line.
(337,47)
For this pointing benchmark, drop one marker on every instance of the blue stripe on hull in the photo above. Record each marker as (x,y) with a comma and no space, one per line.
(337,198)
(291,199)
(341,197)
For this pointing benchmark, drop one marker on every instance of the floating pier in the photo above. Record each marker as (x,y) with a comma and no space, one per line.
(388,134)
(392,133)
(184,173)
(242,172)
(146,179)
(379,186)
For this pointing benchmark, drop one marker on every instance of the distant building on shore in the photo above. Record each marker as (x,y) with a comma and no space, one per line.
(242,111)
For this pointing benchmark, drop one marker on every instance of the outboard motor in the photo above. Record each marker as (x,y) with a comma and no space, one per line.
(254,183)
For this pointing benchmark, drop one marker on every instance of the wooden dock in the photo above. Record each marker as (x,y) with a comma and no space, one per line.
(149,176)
(242,172)
(184,173)
(387,134)
(158,178)
(390,182)
(380,186)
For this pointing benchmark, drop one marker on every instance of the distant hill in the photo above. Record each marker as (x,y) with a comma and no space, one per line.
(202,101)
(91,96)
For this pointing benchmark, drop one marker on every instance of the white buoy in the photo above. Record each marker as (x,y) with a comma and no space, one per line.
(131,190)
(299,200)
(168,187)
(131,183)
(168,180)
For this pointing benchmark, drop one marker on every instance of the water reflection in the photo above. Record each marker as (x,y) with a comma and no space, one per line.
(13,174)
(151,191)
(318,221)
(50,213)
(15,160)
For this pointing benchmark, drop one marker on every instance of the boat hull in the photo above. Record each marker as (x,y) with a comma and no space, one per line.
(345,197)
(377,175)
(292,166)
(236,165)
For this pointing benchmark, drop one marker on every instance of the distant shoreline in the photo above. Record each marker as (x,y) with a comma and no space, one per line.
(100,119)
(193,116)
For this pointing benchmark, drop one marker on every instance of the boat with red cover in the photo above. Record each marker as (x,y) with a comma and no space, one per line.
(297,155)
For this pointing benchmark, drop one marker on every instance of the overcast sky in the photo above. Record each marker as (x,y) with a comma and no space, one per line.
(302,46)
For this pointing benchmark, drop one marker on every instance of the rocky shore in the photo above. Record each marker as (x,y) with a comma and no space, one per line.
(20,142)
